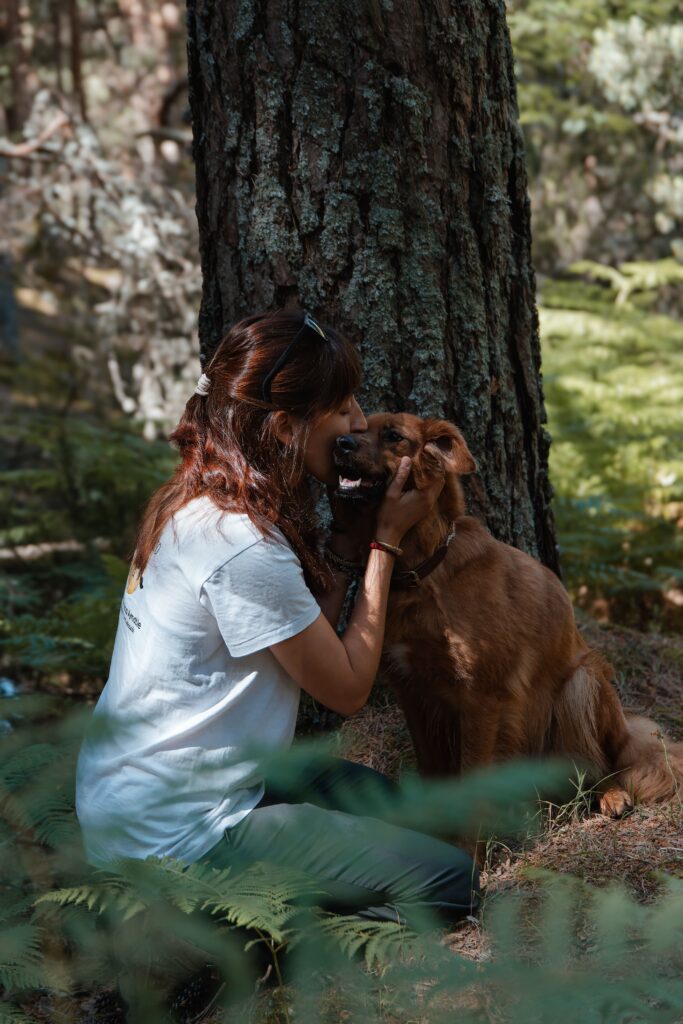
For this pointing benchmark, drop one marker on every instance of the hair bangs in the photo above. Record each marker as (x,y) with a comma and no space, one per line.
(337,373)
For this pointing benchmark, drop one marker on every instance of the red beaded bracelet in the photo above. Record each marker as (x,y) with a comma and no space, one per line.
(381,545)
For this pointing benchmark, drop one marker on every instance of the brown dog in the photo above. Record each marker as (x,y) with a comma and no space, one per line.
(483,652)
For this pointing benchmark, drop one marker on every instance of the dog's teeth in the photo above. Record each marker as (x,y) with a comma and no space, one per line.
(343,482)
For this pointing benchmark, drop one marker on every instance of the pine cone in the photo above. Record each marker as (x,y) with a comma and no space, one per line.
(106,1008)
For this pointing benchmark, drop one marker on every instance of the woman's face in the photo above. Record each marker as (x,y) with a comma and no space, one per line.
(347,419)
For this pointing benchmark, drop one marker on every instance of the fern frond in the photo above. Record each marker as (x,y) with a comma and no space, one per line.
(380,941)
(13,1015)
(261,896)
(13,811)
(13,904)
(26,763)
(54,819)
(97,896)
(20,957)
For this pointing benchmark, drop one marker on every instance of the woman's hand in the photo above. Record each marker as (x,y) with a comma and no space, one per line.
(400,510)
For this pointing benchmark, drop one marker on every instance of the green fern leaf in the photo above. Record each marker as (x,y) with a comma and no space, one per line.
(20,957)
(380,941)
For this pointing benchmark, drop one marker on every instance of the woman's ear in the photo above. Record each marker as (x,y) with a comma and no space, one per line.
(444,440)
(283,426)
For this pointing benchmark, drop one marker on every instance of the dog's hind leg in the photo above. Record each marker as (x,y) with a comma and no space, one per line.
(647,765)
(650,764)
(588,724)
(634,760)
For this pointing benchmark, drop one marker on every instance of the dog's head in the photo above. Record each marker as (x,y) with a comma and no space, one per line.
(368,461)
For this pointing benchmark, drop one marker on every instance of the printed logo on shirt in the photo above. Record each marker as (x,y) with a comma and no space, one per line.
(131,620)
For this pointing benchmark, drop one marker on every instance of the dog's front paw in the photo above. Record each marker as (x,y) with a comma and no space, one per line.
(615,803)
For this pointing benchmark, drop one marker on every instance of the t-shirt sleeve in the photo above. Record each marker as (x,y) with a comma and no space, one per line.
(259,597)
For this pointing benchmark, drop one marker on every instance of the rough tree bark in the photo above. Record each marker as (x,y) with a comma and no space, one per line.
(365,160)
(15,57)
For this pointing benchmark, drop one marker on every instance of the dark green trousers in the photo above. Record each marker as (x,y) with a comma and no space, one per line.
(360,864)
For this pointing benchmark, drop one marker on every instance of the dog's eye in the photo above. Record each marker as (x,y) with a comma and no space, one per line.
(393,436)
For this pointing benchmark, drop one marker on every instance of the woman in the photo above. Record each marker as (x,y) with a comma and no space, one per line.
(220,630)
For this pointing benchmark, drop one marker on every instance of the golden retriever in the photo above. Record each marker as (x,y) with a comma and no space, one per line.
(483,651)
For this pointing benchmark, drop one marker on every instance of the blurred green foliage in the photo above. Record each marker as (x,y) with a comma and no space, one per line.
(68,473)
(599,89)
(561,950)
(613,377)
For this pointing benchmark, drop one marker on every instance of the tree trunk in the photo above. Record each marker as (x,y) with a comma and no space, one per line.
(77,86)
(15,56)
(365,160)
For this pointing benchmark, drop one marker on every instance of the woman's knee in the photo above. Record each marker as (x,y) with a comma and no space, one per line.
(442,876)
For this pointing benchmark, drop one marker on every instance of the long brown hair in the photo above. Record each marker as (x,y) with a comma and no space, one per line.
(228,446)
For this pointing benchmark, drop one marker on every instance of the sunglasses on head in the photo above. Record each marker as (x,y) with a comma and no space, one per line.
(309,328)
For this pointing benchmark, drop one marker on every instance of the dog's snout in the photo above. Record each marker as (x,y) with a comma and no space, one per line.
(347,444)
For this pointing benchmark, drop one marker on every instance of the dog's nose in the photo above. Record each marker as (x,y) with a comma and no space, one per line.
(347,444)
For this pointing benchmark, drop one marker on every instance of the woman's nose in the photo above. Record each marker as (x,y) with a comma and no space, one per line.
(358,422)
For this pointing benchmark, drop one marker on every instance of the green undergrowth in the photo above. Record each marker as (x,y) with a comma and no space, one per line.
(76,475)
(613,379)
(559,949)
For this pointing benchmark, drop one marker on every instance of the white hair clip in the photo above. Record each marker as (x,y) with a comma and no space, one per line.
(202,385)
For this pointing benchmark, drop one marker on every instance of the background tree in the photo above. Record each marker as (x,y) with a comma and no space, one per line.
(366,160)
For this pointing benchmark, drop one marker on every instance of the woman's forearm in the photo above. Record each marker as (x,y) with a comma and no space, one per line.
(332,602)
(364,636)
(340,671)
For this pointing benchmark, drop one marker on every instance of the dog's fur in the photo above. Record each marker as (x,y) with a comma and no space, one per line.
(484,655)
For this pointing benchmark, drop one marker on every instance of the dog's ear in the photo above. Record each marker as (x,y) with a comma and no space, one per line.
(444,441)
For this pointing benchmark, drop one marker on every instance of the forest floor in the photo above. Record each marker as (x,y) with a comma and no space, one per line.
(573,839)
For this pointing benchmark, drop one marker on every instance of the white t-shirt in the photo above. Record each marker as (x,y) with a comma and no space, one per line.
(191,684)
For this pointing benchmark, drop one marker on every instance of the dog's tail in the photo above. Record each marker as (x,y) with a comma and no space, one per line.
(629,752)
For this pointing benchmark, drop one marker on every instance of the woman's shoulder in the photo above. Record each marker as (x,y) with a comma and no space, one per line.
(203,513)
(202,537)
(203,521)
